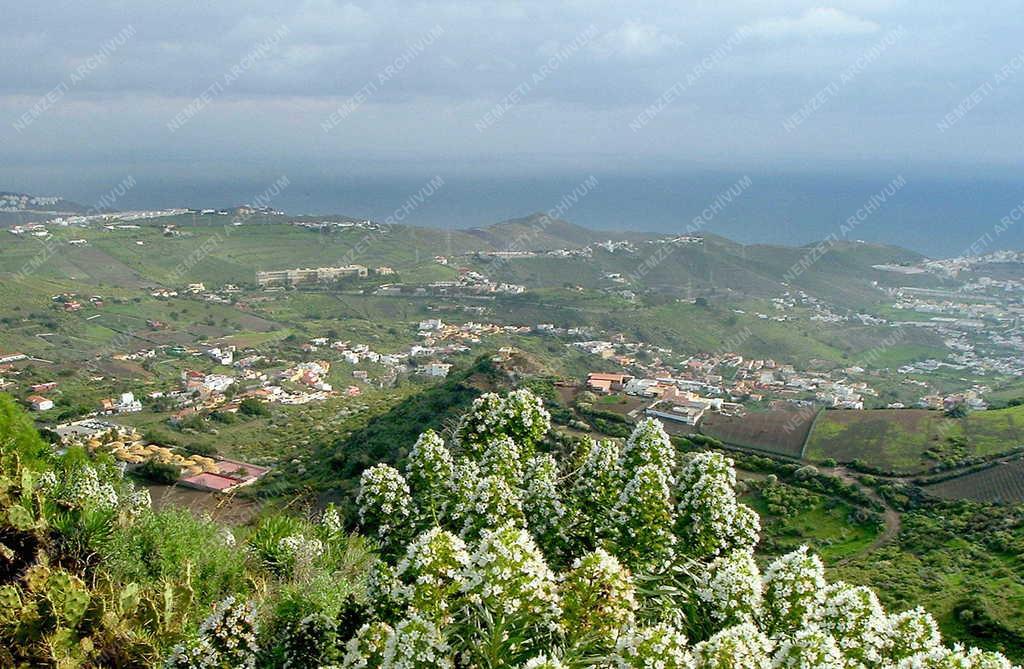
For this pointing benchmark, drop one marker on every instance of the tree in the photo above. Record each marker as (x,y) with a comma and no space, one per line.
(251,406)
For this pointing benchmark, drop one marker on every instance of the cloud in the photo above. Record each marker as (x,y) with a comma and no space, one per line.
(635,39)
(817,22)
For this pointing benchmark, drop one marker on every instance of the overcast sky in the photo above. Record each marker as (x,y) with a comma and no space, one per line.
(719,82)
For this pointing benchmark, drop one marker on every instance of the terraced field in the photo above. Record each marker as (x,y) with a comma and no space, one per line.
(1002,483)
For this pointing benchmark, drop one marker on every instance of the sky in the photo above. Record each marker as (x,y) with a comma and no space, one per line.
(182,95)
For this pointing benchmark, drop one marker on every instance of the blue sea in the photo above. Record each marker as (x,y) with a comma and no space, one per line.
(936,216)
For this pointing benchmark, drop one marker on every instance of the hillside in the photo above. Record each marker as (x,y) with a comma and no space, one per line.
(537,232)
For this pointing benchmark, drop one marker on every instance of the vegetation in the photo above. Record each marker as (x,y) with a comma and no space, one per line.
(909,441)
(487,552)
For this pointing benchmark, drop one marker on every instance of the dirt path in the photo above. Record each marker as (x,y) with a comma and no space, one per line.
(890,516)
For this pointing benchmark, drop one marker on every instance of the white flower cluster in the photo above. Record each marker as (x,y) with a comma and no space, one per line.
(617,511)
(462,487)
(493,503)
(794,591)
(742,645)
(809,648)
(227,638)
(137,502)
(649,444)
(711,521)
(384,500)
(854,617)
(542,503)
(596,489)
(331,521)
(731,588)
(957,658)
(429,471)
(519,415)
(660,646)
(300,551)
(598,597)
(503,459)
(912,632)
(509,576)
(84,489)
(365,650)
(416,643)
(645,518)
(432,573)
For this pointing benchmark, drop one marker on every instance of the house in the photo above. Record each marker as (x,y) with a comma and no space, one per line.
(223,356)
(603,383)
(680,413)
(229,474)
(40,403)
(431,324)
(43,387)
(437,369)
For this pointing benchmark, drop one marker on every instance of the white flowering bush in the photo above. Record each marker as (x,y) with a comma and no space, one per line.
(510,578)
(794,589)
(433,573)
(710,520)
(621,558)
(546,514)
(595,492)
(659,646)
(649,444)
(598,598)
(429,471)
(854,617)
(956,658)
(385,503)
(85,486)
(331,522)
(227,640)
(519,415)
(365,650)
(645,518)
(300,552)
(503,459)
(809,648)
(462,488)
(731,589)
(741,646)
(494,503)
(911,633)
(417,643)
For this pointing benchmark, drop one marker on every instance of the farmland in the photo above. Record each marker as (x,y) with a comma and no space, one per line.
(1002,483)
(779,432)
(910,441)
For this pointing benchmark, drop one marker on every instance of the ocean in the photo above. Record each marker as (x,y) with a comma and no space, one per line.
(939,217)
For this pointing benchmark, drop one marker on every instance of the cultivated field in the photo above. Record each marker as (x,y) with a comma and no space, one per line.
(908,441)
(781,432)
(1000,484)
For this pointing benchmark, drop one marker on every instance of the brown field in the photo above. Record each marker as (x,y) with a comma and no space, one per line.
(1000,484)
(227,508)
(781,432)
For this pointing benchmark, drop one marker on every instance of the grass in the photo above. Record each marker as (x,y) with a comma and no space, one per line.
(911,441)
(822,523)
